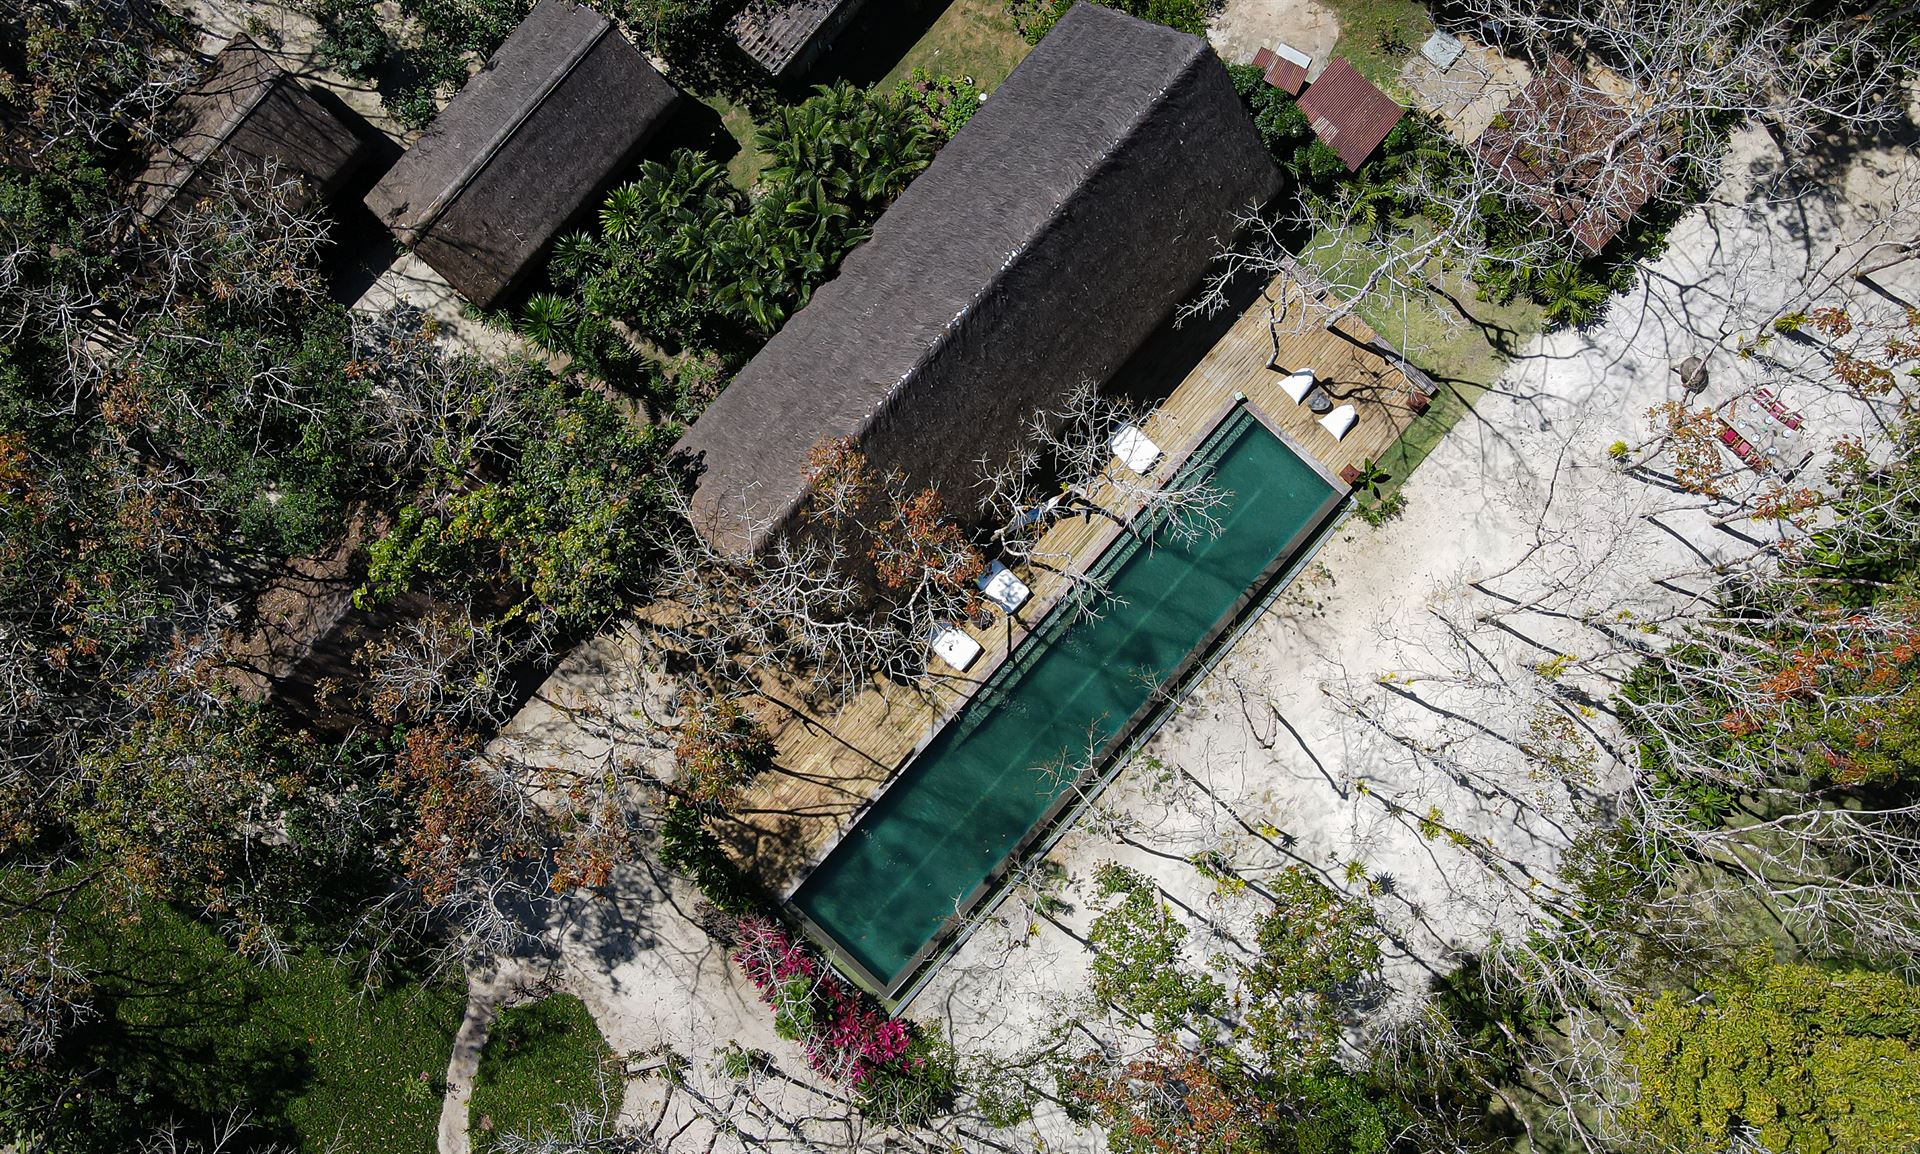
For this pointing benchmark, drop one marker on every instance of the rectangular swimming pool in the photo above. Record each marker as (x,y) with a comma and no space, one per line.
(989,782)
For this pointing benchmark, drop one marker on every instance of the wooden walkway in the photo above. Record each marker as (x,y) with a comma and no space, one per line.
(828,766)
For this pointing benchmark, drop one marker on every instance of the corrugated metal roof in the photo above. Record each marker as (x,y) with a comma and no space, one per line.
(1576,154)
(781,34)
(1348,113)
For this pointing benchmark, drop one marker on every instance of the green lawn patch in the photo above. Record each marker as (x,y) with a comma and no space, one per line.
(188,1030)
(971,38)
(744,166)
(539,1060)
(1462,343)
(1373,31)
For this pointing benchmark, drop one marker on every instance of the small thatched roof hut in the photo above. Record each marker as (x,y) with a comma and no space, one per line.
(784,36)
(559,111)
(248,111)
(1044,244)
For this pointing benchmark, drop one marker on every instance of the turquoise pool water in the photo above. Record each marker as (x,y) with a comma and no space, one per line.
(983,783)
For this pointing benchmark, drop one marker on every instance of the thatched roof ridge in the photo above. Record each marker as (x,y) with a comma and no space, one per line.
(782,36)
(1048,239)
(562,107)
(248,110)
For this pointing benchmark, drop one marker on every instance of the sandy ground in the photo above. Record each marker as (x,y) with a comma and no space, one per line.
(1400,678)
(1243,27)
(1341,719)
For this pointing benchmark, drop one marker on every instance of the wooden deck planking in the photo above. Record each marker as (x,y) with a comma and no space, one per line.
(827,766)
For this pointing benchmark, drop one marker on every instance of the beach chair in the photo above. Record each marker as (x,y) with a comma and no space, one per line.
(1297,384)
(955,648)
(1340,422)
(1135,450)
(1001,587)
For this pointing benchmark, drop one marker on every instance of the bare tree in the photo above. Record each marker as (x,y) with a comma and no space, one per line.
(1069,446)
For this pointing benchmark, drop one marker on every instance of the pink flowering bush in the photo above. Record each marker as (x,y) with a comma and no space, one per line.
(845,1036)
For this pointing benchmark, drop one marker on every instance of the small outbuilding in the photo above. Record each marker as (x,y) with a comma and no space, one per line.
(1576,154)
(1047,241)
(247,112)
(785,36)
(562,108)
(1348,113)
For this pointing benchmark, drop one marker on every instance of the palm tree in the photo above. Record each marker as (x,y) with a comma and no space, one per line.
(1568,295)
(1371,477)
(548,322)
(624,213)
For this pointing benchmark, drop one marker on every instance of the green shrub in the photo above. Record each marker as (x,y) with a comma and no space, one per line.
(1805,1059)
(940,105)
(1386,509)
(689,848)
(351,38)
(1036,18)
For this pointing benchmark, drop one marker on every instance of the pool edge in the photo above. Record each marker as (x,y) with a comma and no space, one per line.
(1066,810)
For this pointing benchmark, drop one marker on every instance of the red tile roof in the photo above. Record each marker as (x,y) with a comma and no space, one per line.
(1349,114)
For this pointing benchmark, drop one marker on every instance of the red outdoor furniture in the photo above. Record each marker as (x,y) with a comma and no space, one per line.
(1776,410)
(1742,448)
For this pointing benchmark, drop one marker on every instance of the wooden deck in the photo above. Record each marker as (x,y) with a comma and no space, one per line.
(827,767)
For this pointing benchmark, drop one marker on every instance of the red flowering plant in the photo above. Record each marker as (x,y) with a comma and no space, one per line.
(845,1036)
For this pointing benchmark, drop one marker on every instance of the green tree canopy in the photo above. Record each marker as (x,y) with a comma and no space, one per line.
(1803,1060)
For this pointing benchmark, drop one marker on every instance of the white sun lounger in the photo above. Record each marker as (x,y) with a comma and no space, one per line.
(1135,450)
(955,648)
(1004,589)
(1297,384)
(1340,421)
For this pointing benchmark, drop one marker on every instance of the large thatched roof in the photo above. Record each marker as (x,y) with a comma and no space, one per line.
(562,107)
(1048,239)
(247,111)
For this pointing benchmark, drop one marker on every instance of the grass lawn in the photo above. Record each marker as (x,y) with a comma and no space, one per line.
(1464,356)
(971,38)
(189,1029)
(1365,28)
(539,1060)
(744,166)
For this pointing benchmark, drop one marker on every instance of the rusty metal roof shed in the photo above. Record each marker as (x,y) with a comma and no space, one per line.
(1349,113)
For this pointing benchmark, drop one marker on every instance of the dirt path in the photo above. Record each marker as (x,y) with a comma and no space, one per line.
(506,984)
(1246,26)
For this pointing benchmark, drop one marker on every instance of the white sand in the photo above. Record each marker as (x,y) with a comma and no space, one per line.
(1243,27)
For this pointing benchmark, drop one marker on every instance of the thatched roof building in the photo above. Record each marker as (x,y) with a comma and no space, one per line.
(1044,244)
(248,111)
(784,36)
(560,110)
